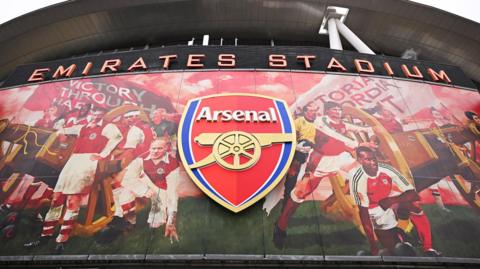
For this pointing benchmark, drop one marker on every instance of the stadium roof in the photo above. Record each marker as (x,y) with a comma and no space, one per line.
(388,27)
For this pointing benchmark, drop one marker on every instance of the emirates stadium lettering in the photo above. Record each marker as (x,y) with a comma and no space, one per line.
(309,59)
(197,61)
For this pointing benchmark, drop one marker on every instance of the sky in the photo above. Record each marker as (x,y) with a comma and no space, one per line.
(10,9)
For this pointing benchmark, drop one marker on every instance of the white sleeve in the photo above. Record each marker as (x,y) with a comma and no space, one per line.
(114,136)
(74,130)
(135,170)
(323,126)
(358,187)
(59,124)
(173,178)
(135,136)
(397,179)
(357,128)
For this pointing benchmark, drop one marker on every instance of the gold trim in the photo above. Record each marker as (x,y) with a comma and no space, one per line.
(13,153)
(45,149)
(423,141)
(388,145)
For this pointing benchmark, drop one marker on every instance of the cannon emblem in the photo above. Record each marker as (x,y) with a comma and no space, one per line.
(237,144)
(236,147)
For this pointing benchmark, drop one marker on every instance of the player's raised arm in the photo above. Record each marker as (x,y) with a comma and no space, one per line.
(322,124)
(114,137)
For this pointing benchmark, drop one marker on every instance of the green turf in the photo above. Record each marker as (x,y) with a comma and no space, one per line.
(205,227)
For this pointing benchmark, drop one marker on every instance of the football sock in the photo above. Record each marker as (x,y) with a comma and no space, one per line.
(53,216)
(421,223)
(288,210)
(67,225)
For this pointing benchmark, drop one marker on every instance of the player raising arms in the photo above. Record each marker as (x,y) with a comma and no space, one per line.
(332,152)
(95,142)
(372,187)
(305,128)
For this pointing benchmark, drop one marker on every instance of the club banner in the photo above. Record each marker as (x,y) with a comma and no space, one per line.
(313,164)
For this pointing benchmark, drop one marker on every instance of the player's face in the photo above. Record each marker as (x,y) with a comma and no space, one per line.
(311,112)
(158,115)
(335,112)
(52,111)
(131,120)
(158,148)
(369,162)
(84,110)
(386,114)
(98,115)
(476,119)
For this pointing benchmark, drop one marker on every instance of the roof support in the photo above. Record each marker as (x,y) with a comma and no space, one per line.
(333,36)
(333,24)
(351,37)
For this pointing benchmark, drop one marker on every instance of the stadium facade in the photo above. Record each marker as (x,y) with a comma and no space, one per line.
(240,133)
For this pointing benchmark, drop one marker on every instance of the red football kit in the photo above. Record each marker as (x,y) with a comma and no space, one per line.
(90,140)
(159,172)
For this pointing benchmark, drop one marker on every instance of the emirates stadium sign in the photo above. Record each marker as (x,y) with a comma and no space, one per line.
(312,59)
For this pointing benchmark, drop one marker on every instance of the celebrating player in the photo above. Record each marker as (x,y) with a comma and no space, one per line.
(474,122)
(95,141)
(163,123)
(331,153)
(305,128)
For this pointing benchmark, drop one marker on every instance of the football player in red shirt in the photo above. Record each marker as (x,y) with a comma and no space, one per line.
(375,187)
(332,152)
(49,118)
(146,178)
(95,141)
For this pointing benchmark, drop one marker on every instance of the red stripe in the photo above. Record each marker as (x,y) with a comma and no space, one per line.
(127,207)
(116,185)
(59,201)
(66,227)
(66,230)
(50,223)
(47,231)
(130,211)
(68,222)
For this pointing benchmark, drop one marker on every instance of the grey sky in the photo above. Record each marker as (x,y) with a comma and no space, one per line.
(10,9)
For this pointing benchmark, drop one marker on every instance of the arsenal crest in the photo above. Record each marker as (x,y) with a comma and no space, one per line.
(236,147)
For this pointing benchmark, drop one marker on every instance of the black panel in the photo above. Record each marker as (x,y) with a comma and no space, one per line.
(247,57)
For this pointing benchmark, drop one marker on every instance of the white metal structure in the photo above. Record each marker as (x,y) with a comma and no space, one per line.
(335,16)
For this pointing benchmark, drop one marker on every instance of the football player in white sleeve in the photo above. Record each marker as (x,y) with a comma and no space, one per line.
(332,153)
(373,188)
(95,141)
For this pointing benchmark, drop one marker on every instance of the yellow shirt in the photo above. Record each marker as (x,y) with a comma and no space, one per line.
(305,130)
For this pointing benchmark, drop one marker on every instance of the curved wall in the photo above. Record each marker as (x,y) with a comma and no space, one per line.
(421,130)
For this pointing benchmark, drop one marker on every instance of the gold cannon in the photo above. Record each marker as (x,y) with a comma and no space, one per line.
(237,144)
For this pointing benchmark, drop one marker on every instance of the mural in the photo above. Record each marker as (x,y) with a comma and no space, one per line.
(381,167)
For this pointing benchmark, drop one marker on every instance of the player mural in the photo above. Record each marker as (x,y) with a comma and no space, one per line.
(378,166)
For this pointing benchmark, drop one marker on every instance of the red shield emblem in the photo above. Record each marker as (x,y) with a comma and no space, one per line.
(236,147)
